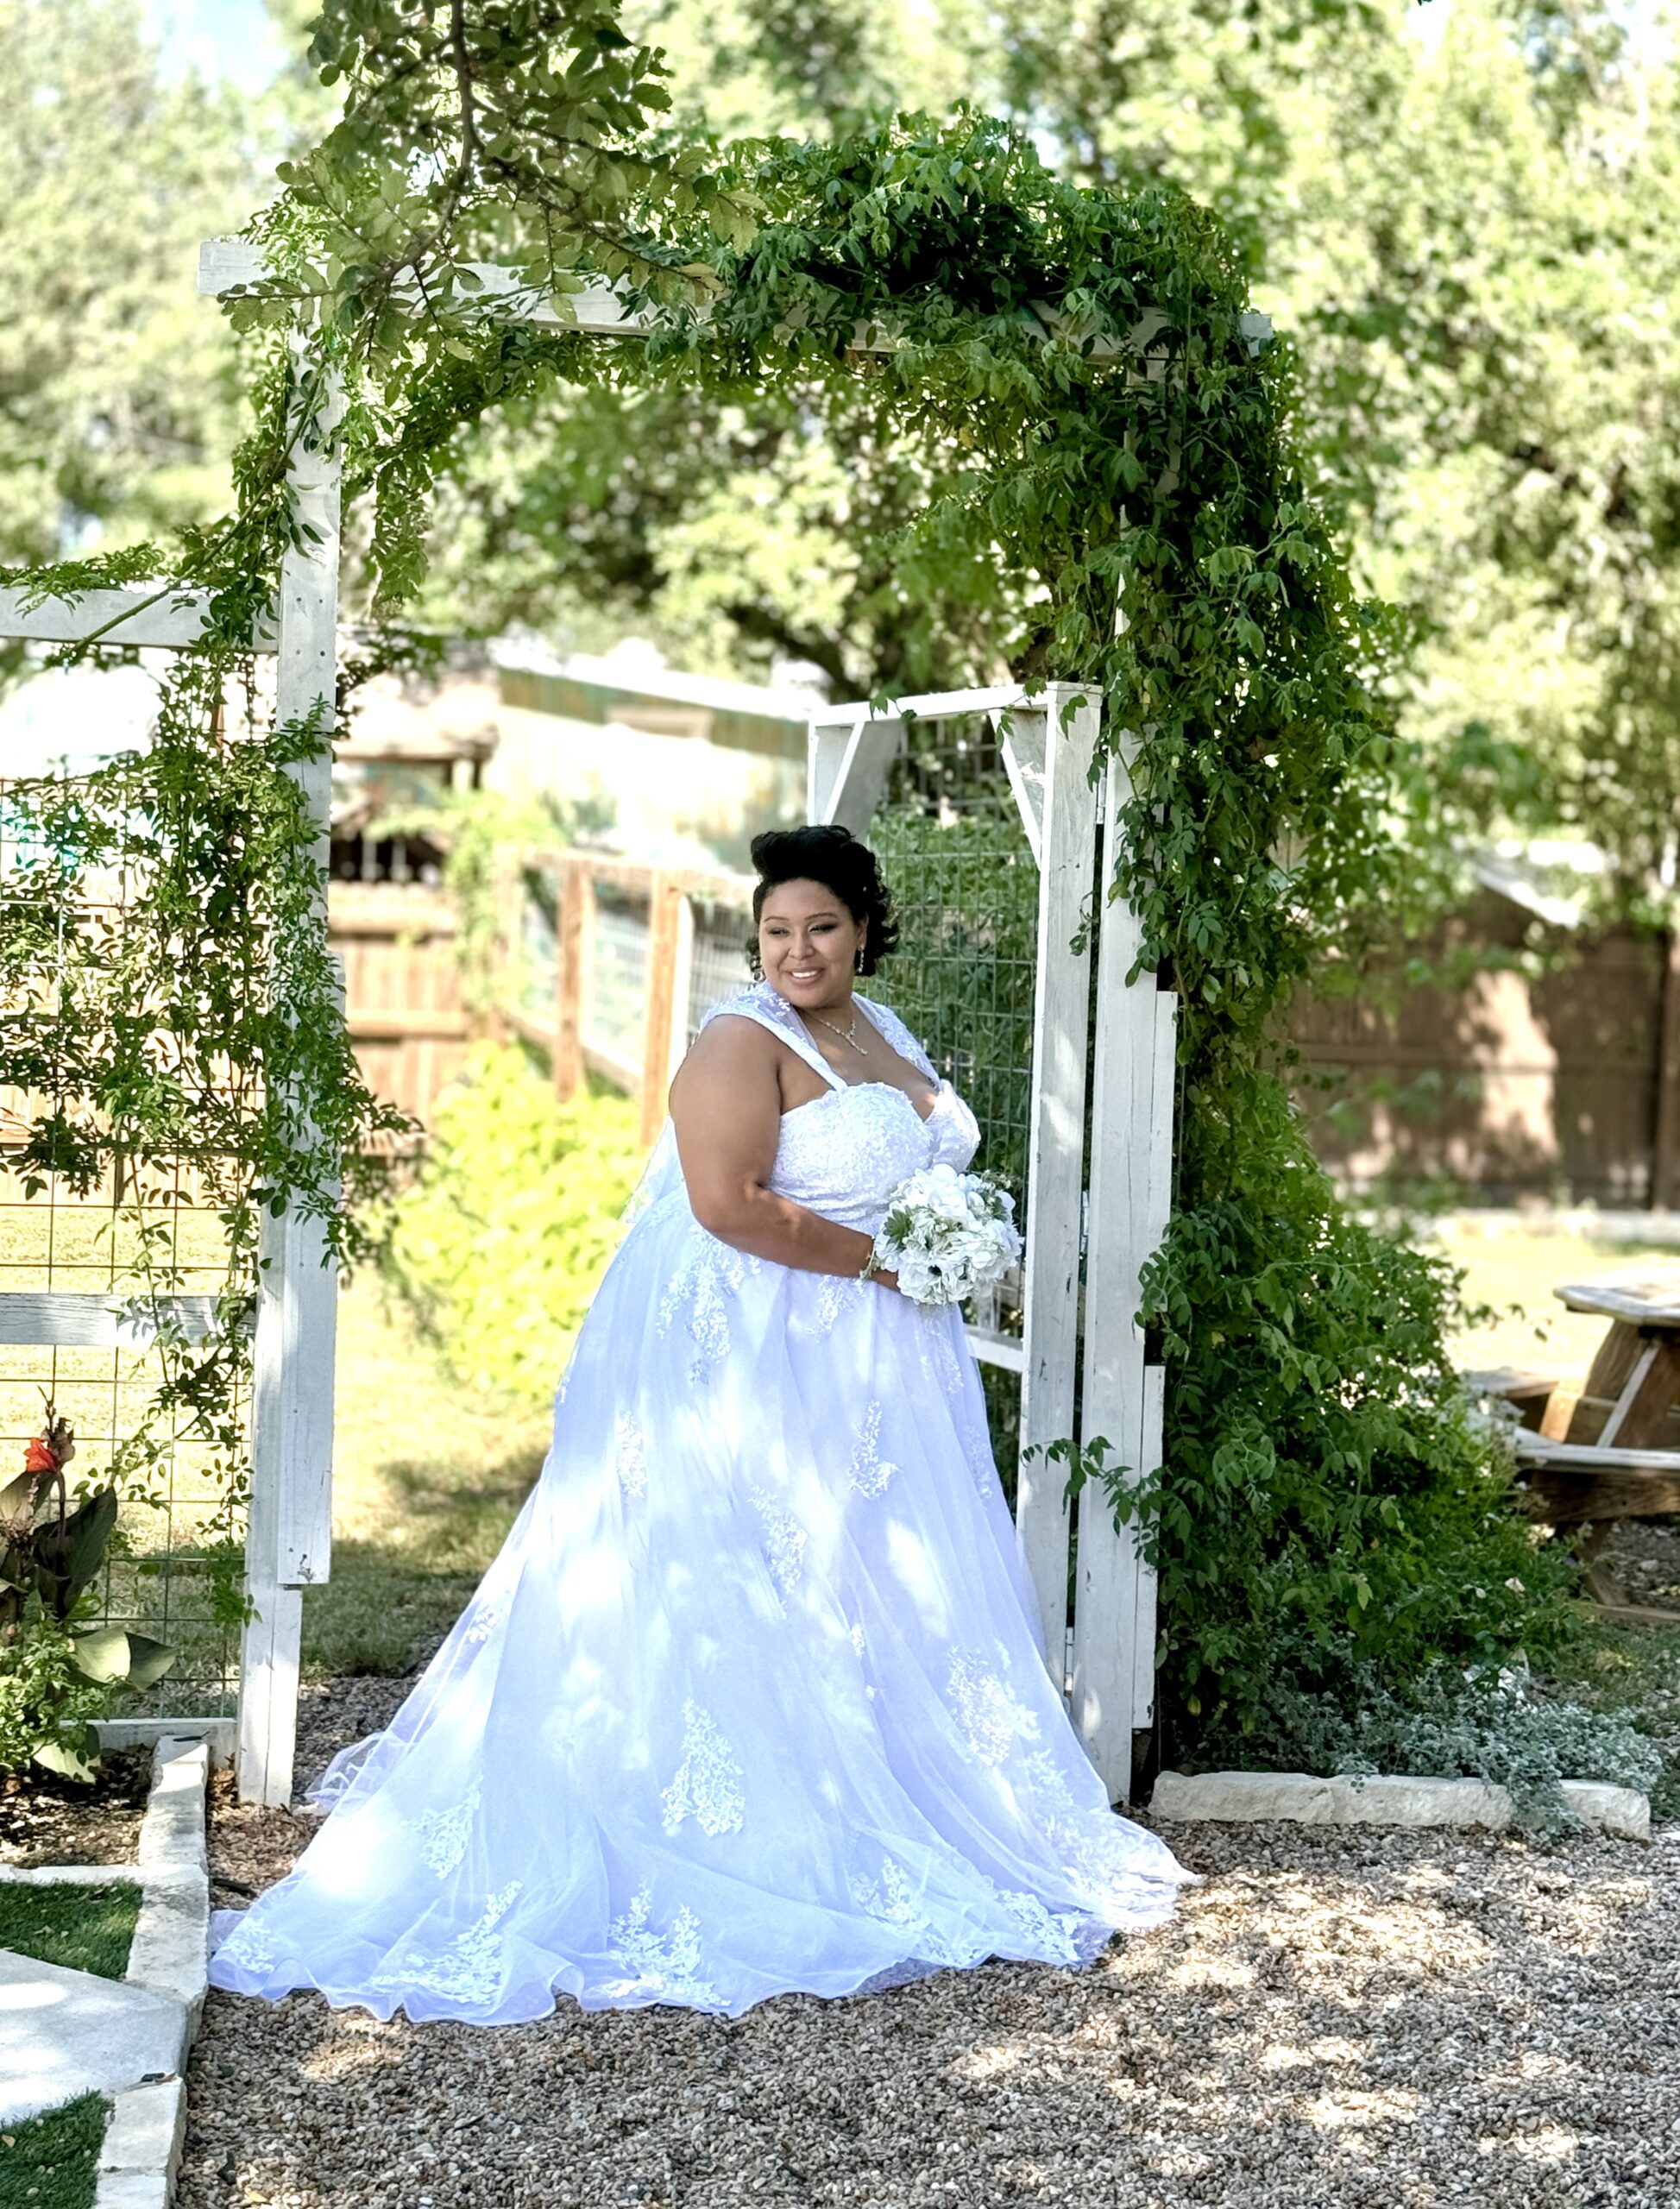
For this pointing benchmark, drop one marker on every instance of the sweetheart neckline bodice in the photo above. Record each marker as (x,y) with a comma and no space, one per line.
(839,1088)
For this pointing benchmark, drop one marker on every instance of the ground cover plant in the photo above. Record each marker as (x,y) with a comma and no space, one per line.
(83,1928)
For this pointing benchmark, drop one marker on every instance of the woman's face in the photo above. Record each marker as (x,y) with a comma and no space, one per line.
(807,942)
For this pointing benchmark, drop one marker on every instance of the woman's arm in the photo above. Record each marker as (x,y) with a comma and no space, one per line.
(725,1105)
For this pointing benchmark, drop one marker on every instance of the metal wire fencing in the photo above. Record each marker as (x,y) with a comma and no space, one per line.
(72,1258)
(965,886)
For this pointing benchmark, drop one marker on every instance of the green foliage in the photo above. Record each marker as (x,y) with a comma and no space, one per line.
(82,1927)
(1329,1490)
(51,1550)
(48,1703)
(499,1247)
(52,2160)
(121,391)
(1488,1725)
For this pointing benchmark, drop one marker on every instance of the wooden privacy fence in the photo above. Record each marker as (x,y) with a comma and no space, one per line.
(616,964)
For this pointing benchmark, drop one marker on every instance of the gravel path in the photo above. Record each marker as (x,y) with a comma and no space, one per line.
(1336,2020)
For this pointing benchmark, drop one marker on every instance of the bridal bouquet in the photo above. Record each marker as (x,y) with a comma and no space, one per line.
(947,1234)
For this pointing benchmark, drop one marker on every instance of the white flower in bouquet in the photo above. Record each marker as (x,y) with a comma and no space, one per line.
(947,1234)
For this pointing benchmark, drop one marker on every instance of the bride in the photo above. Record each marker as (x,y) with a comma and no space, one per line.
(750,1702)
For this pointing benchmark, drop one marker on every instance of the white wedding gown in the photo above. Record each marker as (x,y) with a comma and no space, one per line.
(750,1700)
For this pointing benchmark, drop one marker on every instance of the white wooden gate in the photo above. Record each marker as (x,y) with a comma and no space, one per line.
(1098,1174)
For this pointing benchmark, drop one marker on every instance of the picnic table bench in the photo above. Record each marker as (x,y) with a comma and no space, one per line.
(1619,1455)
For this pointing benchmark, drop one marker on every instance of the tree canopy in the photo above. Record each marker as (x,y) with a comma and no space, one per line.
(1468,221)
(121,399)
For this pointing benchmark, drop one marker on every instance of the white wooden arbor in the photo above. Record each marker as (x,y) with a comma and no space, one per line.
(1098,1179)
(1100,1142)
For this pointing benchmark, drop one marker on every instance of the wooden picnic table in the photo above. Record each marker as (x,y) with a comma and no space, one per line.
(1620,1456)
(1632,1397)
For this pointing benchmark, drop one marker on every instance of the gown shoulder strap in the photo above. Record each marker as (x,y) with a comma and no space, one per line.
(771,1010)
(897,1035)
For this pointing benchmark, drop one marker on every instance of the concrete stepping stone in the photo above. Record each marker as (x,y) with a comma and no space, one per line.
(65,2033)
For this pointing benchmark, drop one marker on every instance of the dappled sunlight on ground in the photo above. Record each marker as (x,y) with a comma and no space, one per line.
(1336,2020)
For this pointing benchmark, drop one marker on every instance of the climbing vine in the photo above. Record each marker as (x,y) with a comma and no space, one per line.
(1113,499)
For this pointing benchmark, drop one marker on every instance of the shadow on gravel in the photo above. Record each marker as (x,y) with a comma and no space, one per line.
(1333,2021)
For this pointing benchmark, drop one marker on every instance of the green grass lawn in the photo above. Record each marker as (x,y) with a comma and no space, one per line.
(51,2161)
(426,1483)
(83,1928)
(1517,1269)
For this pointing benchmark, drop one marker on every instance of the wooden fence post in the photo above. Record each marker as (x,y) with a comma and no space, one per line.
(665,904)
(682,987)
(288,1541)
(571,950)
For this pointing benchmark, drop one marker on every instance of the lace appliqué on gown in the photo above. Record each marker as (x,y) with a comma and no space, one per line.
(1053,1934)
(467,1971)
(702,1291)
(708,1782)
(870,1474)
(660,1966)
(489,1615)
(784,1545)
(630,1456)
(837,1293)
(250,1948)
(892,1900)
(991,1719)
(443,1835)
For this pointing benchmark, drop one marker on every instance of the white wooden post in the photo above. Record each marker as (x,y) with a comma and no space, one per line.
(288,1546)
(1130,1198)
(1048,754)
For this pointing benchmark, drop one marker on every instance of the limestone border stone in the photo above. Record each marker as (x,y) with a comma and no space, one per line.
(1302,1798)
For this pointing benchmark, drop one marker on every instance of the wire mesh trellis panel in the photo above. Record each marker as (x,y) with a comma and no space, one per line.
(62,1240)
(616,1008)
(965,886)
(719,967)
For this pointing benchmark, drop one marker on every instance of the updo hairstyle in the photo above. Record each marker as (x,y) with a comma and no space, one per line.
(833,856)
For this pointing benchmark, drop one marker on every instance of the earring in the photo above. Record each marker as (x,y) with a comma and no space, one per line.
(858,960)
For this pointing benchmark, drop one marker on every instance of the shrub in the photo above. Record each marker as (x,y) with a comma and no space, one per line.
(1334,1504)
(499,1246)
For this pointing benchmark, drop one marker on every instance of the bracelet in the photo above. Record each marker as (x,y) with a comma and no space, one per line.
(870,1266)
